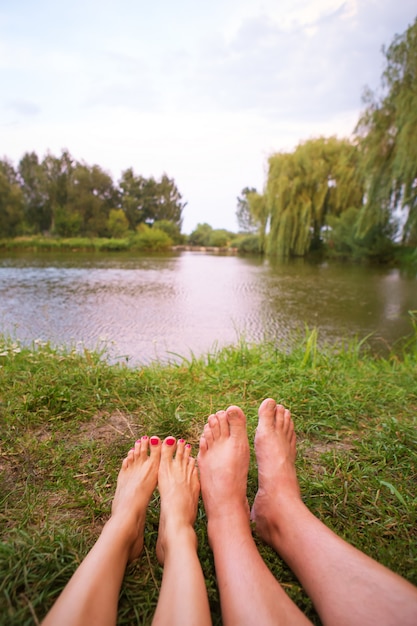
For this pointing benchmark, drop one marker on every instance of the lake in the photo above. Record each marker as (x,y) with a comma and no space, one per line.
(164,307)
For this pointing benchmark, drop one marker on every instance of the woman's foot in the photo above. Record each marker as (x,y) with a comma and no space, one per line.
(275,447)
(136,482)
(179,486)
(223,461)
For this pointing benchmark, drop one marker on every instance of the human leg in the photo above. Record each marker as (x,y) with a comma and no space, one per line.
(183,597)
(347,587)
(91,596)
(249,593)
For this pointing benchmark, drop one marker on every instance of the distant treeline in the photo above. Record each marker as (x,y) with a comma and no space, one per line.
(61,196)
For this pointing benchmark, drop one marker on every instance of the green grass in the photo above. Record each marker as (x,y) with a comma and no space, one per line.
(67,420)
(149,241)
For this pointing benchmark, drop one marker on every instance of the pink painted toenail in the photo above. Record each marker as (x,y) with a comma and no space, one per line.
(154,441)
(181,440)
(188,445)
(137,440)
(170,441)
(145,437)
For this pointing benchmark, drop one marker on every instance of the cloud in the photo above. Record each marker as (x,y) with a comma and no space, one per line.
(25,108)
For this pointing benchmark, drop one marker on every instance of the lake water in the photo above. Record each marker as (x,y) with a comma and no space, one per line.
(168,306)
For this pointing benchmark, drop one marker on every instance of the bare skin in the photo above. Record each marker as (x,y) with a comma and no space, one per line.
(347,587)
(183,597)
(91,596)
(249,593)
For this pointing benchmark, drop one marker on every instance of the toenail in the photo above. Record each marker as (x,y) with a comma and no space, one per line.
(188,445)
(154,441)
(145,437)
(181,440)
(170,441)
(137,440)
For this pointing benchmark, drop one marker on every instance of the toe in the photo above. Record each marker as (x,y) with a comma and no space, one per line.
(223,423)
(214,425)
(288,425)
(266,413)
(203,447)
(187,451)
(155,447)
(237,421)
(168,448)
(180,449)
(280,421)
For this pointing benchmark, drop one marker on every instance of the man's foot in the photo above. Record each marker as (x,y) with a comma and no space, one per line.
(179,487)
(275,447)
(223,461)
(135,484)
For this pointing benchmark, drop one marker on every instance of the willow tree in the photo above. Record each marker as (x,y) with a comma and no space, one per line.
(387,132)
(258,208)
(319,178)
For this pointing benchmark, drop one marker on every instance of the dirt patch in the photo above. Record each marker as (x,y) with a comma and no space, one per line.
(314,451)
(105,427)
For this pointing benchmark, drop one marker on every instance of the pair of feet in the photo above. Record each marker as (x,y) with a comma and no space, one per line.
(223,462)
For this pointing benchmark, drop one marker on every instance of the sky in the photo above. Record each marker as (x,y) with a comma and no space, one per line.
(201,91)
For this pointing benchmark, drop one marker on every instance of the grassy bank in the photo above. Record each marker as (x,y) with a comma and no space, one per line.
(68,419)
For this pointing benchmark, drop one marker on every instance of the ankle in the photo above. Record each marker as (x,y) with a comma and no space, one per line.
(179,538)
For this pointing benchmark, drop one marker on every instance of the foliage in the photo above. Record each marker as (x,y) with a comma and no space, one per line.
(117,223)
(152,239)
(171,229)
(387,132)
(200,235)
(64,197)
(68,418)
(145,200)
(219,238)
(320,178)
(245,218)
(251,244)
(11,201)
(66,224)
(344,240)
(206,236)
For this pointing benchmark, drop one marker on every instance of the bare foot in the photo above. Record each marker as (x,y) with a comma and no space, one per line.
(223,461)
(275,447)
(135,484)
(179,487)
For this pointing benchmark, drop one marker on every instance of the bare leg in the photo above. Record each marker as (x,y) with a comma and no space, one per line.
(249,593)
(183,598)
(347,587)
(92,594)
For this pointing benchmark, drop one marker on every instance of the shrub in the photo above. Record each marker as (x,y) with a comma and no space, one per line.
(151,239)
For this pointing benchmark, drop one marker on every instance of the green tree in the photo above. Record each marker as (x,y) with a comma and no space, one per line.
(344,240)
(58,172)
(200,235)
(387,133)
(171,229)
(259,209)
(219,238)
(145,200)
(169,205)
(34,185)
(11,201)
(117,224)
(91,195)
(320,178)
(245,219)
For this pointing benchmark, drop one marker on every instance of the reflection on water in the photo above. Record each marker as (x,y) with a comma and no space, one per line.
(146,308)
